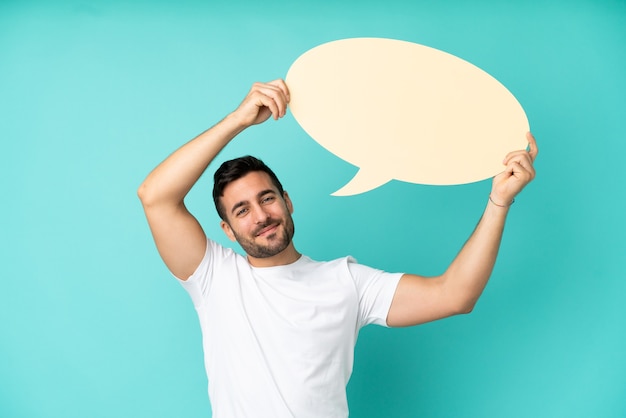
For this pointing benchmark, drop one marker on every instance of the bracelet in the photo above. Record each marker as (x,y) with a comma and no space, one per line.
(501,206)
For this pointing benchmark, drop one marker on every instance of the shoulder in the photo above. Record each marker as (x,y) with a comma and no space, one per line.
(216,257)
(218,266)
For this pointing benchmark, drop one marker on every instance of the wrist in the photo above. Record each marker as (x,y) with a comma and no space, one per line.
(236,122)
(501,203)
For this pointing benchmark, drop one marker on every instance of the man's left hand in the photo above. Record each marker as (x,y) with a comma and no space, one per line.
(518,173)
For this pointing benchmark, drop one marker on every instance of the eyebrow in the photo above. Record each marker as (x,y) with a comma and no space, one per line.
(258,196)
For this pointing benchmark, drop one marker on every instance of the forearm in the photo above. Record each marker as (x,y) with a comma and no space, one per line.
(419,299)
(467,275)
(171,180)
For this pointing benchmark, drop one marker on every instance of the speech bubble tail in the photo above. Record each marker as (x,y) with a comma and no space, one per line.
(360,183)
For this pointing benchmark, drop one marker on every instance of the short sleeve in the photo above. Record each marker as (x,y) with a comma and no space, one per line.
(198,284)
(376,289)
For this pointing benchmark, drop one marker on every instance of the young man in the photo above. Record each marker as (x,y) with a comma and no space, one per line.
(279,328)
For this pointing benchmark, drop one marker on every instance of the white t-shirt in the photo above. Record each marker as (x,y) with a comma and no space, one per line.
(279,341)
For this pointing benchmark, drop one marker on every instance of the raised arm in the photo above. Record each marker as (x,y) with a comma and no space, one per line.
(179,238)
(419,299)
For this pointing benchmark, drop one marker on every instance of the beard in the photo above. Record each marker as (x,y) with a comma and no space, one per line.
(276,242)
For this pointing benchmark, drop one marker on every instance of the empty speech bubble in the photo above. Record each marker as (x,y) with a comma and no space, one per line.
(404,111)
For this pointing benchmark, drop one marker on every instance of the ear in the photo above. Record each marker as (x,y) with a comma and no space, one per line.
(288,202)
(228,230)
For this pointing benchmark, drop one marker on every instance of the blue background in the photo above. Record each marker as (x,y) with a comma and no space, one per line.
(94,94)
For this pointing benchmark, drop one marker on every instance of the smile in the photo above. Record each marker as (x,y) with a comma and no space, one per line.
(267,230)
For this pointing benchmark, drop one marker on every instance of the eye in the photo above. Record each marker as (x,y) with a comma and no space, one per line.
(241,212)
(268,199)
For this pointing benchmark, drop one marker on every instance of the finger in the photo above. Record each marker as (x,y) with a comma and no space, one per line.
(270,97)
(261,100)
(533,150)
(514,154)
(280,83)
(520,171)
(523,159)
(277,94)
(271,104)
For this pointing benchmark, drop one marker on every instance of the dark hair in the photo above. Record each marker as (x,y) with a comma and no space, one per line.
(233,170)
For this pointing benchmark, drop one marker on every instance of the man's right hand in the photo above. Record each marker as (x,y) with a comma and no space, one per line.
(263,100)
(178,235)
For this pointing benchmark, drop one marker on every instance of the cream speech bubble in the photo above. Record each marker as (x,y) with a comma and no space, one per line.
(404,111)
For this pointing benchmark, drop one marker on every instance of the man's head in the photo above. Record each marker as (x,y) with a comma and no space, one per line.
(255,210)
(233,170)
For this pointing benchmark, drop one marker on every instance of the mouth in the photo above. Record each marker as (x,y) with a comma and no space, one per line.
(267,230)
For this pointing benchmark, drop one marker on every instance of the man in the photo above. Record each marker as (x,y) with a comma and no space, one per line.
(279,328)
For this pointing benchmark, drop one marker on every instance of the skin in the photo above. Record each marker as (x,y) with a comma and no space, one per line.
(259,219)
(264,228)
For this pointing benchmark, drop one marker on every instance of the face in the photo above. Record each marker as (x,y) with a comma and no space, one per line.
(257,217)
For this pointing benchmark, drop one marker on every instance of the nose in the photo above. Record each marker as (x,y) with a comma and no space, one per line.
(260,215)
